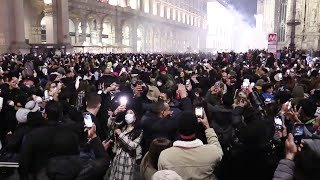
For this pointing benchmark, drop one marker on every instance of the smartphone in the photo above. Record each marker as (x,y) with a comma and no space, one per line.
(252,85)
(278,122)
(199,112)
(1,102)
(123,101)
(289,105)
(188,82)
(46,95)
(298,132)
(87,121)
(245,83)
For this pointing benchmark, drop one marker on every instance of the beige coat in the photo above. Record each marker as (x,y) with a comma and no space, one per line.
(193,160)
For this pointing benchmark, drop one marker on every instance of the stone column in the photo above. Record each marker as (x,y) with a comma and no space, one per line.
(158,8)
(6,30)
(118,29)
(18,43)
(77,38)
(99,30)
(83,29)
(51,24)
(133,33)
(151,6)
(141,5)
(63,23)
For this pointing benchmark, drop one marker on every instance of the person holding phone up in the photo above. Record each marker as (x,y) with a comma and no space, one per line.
(127,144)
(189,157)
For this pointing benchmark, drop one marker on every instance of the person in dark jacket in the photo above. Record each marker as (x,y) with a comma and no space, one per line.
(93,101)
(44,143)
(175,106)
(270,60)
(14,140)
(158,122)
(248,157)
(222,120)
(109,91)
(299,163)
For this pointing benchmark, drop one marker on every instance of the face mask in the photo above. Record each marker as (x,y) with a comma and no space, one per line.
(129,118)
(159,83)
(11,103)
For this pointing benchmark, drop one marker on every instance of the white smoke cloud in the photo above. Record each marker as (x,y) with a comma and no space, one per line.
(243,36)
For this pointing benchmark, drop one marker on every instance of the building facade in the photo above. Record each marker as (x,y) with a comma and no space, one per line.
(277,15)
(104,25)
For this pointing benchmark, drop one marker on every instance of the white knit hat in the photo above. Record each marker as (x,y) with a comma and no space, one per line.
(33,106)
(166,175)
(22,114)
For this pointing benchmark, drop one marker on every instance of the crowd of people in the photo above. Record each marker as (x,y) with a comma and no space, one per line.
(185,116)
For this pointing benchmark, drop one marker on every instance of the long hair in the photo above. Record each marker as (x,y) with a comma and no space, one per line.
(156,147)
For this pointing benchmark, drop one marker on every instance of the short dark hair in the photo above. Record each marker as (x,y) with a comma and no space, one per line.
(158,107)
(54,110)
(168,93)
(93,99)
(267,86)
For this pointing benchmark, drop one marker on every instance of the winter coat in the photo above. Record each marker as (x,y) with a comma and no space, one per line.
(193,159)
(154,127)
(285,170)
(127,152)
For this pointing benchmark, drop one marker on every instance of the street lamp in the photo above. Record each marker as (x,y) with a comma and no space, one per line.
(47,2)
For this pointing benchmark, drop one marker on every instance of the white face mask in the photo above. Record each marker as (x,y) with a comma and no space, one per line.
(159,83)
(129,118)
(11,103)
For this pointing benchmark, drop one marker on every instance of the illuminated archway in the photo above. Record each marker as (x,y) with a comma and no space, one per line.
(126,35)
(141,39)
(108,32)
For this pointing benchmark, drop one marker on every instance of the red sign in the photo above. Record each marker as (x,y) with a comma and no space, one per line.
(272,38)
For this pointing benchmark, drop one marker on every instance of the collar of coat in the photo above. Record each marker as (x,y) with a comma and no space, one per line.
(188,144)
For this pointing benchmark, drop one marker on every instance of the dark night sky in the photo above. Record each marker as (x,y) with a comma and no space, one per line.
(248,8)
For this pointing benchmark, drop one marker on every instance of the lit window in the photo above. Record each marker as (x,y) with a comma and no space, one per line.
(282,19)
(161,10)
(174,14)
(179,16)
(183,17)
(146,6)
(133,4)
(113,2)
(155,8)
(191,18)
(188,19)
